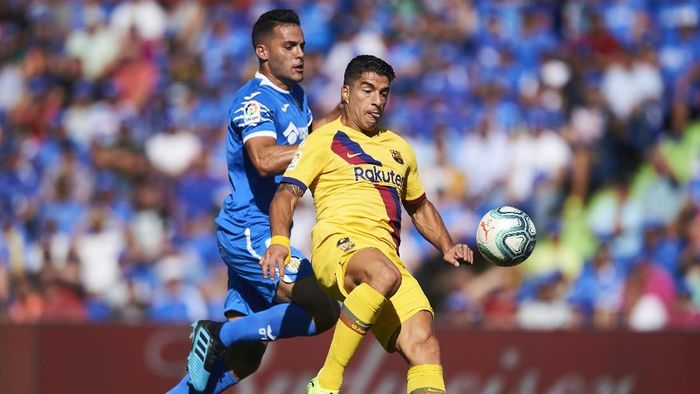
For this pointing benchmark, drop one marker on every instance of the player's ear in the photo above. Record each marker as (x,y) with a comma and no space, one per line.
(261,52)
(344,94)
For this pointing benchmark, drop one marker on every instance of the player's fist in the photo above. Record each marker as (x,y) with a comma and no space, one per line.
(274,260)
(459,254)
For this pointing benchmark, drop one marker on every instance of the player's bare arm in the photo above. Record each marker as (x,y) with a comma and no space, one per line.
(281,214)
(429,223)
(268,157)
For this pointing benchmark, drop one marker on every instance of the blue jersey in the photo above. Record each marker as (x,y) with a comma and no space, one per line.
(260,109)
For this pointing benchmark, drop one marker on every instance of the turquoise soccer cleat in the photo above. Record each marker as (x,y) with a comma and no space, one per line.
(206,348)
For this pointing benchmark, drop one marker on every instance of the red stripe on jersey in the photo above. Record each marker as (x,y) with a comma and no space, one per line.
(393,209)
(351,151)
(410,204)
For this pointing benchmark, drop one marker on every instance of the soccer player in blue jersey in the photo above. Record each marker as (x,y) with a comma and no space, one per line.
(269,117)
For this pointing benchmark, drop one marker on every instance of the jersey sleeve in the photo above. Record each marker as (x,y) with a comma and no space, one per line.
(414,193)
(308,162)
(253,116)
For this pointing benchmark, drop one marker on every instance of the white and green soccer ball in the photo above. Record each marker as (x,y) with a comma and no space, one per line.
(506,236)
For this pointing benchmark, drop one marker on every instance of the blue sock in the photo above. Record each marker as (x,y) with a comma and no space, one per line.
(280,321)
(220,380)
(182,387)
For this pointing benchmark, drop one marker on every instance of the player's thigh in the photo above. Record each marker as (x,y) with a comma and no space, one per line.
(306,293)
(409,301)
(331,261)
(416,341)
(241,252)
(370,265)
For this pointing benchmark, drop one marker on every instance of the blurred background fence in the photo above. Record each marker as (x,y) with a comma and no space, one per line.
(57,359)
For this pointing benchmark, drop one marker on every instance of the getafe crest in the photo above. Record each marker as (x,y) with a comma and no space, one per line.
(291,270)
(397,156)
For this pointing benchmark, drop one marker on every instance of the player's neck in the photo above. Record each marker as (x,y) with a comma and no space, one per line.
(347,122)
(275,81)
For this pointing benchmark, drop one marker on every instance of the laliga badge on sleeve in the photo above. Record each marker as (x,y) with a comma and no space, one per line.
(251,113)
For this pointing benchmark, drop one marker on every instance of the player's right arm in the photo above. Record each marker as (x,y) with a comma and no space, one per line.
(254,118)
(267,156)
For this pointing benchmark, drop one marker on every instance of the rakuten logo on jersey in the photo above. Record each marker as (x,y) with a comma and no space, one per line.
(295,134)
(377,175)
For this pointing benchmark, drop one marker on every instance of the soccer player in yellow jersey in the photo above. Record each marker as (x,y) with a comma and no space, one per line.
(360,175)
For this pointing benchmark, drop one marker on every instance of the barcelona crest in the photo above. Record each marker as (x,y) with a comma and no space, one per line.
(397,156)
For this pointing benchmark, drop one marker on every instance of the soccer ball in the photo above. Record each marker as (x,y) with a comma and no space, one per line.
(506,236)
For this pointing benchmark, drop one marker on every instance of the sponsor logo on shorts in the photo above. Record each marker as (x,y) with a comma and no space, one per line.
(345,244)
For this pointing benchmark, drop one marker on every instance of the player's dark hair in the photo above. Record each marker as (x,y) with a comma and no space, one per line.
(267,22)
(367,63)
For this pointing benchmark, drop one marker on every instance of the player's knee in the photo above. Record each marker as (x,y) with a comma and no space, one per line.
(385,279)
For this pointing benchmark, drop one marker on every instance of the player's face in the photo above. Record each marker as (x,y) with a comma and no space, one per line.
(284,52)
(365,100)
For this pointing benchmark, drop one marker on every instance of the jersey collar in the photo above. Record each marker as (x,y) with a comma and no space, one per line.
(265,81)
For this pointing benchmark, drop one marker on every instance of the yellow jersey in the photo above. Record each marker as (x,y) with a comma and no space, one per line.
(358,182)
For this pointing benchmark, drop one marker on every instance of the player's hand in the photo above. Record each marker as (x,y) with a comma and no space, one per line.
(274,261)
(459,254)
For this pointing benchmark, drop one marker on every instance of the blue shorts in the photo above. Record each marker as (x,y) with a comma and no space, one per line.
(248,291)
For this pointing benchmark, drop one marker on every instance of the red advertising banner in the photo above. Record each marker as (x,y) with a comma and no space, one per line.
(151,359)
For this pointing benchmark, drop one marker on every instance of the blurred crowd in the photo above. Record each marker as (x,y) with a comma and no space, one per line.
(582,113)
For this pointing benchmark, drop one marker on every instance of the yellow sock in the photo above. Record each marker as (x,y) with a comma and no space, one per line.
(425,378)
(359,312)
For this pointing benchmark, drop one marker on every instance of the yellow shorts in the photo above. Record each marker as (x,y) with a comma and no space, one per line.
(329,261)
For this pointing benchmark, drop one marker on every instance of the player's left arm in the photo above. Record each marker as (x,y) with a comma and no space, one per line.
(268,157)
(429,223)
(426,217)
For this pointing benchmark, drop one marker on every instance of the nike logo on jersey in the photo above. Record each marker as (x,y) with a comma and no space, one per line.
(351,155)
(250,97)
(284,107)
